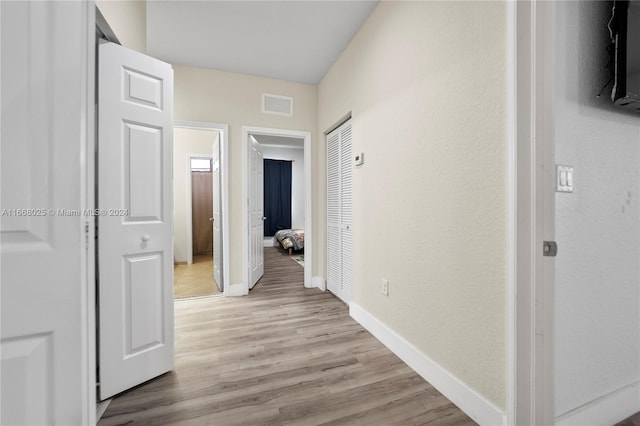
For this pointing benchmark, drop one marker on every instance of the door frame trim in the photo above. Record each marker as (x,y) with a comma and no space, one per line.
(223,129)
(88,179)
(530,396)
(308,223)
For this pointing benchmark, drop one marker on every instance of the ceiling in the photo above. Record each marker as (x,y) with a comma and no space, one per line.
(285,40)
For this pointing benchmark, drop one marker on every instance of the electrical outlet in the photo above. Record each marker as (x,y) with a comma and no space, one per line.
(385,287)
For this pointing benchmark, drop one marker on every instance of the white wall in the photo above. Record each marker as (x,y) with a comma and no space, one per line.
(297,179)
(128,20)
(185,142)
(597,284)
(426,85)
(235,99)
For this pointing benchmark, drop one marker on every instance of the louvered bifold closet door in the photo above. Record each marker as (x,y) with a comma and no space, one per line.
(334,255)
(339,212)
(346,211)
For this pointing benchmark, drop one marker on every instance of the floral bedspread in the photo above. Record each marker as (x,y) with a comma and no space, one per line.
(291,238)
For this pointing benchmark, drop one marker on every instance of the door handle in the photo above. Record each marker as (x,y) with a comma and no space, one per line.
(145,238)
(264,218)
(210,219)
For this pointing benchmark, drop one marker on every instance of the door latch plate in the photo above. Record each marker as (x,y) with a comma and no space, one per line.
(550,248)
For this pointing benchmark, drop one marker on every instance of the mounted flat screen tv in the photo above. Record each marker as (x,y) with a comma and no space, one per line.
(626,37)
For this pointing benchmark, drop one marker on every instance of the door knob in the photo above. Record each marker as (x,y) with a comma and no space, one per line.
(145,237)
(210,219)
(264,218)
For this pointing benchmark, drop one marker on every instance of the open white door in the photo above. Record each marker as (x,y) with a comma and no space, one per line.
(135,250)
(217,234)
(256,213)
(46,297)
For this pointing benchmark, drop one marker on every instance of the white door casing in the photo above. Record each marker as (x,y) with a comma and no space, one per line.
(46,293)
(339,212)
(531,390)
(256,213)
(135,250)
(217,234)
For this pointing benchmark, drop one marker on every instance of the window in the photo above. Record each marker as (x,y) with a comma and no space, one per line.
(200,164)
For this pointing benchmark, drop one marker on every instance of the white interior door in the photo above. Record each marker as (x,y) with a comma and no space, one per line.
(46,297)
(135,224)
(339,212)
(346,209)
(256,213)
(217,201)
(334,235)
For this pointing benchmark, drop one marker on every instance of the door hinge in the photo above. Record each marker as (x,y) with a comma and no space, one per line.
(550,248)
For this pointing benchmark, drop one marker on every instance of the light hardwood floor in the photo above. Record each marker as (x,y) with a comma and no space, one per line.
(195,279)
(284,355)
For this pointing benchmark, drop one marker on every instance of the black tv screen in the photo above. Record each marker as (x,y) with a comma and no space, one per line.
(626,35)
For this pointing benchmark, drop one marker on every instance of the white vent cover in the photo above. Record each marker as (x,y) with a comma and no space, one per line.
(276,104)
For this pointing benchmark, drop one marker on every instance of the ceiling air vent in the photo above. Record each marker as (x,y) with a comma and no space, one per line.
(276,104)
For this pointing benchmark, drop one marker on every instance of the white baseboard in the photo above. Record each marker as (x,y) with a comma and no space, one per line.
(268,242)
(468,400)
(606,410)
(319,282)
(237,290)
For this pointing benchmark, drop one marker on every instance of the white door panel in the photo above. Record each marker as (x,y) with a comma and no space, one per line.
(44,233)
(135,232)
(256,212)
(217,221)
(334,256)
(339,212)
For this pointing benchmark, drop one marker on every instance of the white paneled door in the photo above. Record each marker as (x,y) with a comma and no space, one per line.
(217,201)
(339,212)
(256,213)
(46,85)
(135,255)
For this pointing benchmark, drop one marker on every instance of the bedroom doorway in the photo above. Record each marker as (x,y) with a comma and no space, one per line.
(200,200)
(279,193)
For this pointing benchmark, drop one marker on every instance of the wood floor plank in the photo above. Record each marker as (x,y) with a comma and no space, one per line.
(284,355)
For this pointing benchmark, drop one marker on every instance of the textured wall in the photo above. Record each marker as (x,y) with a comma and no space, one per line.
(235,99)
(597,287)
(185,142)
(426,83)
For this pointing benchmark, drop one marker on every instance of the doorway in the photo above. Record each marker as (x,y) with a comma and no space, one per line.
(194,277)
(201,199)
(287,145)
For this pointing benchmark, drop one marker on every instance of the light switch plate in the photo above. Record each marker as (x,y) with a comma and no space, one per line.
(385,287)
(564,178)
(359,159)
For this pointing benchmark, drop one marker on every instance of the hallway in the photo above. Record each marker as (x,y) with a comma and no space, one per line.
(282,355)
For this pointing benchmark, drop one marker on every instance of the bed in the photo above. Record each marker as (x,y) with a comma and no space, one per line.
(290,239)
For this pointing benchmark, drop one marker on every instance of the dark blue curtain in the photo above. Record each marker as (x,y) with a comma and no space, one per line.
(277,196)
